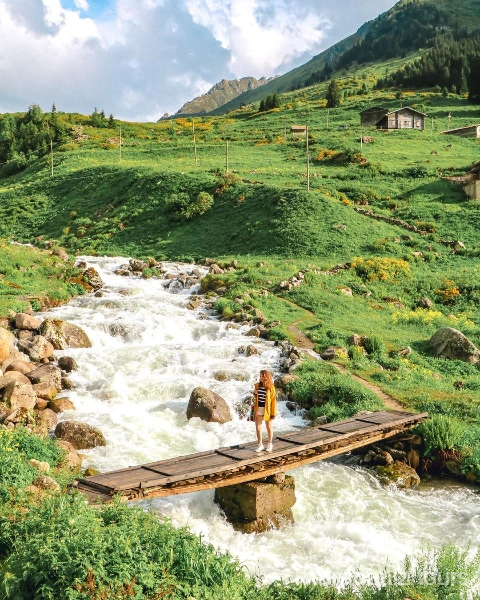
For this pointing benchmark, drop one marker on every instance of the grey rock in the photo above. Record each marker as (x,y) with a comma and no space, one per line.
(47,374)
(64,335)
(451,343)
(80,435)
(208,406)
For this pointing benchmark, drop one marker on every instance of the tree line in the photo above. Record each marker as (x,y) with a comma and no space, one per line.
(452,65)
(30,135)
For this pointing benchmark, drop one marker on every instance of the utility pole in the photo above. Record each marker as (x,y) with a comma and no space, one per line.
(449,117)
(328,115)
(361,136)
(308,165)
(51,154)
(226,156)
(120,144)
(194,143)
(432,125)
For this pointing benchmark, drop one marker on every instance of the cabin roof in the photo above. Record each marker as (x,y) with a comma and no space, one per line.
(461,128)
(406,108)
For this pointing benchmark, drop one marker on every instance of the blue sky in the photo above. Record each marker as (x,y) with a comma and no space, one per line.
(96,8)
(139,59)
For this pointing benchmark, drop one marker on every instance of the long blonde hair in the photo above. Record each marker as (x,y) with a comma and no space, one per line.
(267,379)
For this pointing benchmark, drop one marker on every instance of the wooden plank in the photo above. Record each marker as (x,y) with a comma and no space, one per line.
(347,427)
(310,435)
(247,452)
(383,417)
(197,465)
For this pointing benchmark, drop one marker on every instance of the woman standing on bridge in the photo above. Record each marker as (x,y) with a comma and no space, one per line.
(264,408)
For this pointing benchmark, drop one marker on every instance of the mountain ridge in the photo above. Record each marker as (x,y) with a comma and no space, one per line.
(222,92)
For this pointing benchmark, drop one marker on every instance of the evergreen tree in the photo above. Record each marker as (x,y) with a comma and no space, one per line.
(334,95)
(111,121)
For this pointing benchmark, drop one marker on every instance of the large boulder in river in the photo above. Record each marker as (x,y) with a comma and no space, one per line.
(208,406)
(47,374)
(64,335)
(80,435)
(92,277)
(36,347)
(6,344)
(398,473)
(451,343)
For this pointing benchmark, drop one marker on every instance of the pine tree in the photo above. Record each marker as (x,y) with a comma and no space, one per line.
(334,96)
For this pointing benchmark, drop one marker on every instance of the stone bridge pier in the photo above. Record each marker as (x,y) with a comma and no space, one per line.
(258,505)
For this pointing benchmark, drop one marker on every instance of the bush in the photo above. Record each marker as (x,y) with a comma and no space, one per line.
(374,345)
(441,433)
(17,447)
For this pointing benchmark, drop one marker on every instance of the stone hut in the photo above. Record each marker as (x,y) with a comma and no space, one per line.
(470,131)
(470,182)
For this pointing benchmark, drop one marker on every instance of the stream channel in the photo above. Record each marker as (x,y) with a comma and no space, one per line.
(149,352)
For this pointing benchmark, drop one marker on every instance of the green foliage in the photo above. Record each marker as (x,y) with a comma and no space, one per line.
(330,393)
(17,447)
(374,345)
(334,96)
(442,433)
(471,463)
(64,549)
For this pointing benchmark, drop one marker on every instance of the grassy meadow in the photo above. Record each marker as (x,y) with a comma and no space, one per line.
(158,198)
(153,199)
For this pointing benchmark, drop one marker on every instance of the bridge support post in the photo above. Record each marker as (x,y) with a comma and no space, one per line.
(259,505)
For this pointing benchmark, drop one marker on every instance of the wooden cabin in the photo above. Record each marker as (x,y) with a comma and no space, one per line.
(402,118)
(471,131)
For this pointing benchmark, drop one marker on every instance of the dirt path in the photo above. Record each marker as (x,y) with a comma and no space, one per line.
(304,343)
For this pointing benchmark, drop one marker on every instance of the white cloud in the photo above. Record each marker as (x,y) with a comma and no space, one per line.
(82,5)
(142,58)
(260,35)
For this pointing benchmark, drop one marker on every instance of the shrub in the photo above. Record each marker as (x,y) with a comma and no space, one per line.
(374,345)
(381,269)
(441,433)
(17,447)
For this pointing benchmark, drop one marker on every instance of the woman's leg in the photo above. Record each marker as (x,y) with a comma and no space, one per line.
(269,425)
(258,427)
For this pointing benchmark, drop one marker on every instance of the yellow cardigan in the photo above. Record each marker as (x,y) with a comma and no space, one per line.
(270,403)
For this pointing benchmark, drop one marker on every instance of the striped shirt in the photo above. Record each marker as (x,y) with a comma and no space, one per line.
(262,396)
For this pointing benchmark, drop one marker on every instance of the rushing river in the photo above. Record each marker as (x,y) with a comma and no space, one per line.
(149,352)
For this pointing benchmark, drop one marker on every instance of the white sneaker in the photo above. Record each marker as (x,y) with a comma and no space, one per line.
(269,447)
(259,448)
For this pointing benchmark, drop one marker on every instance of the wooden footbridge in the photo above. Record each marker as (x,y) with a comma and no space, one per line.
(240,463)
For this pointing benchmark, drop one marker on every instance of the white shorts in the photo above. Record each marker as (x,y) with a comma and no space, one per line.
(260,412)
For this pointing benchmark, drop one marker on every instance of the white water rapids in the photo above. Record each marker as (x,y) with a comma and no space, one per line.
(149,352)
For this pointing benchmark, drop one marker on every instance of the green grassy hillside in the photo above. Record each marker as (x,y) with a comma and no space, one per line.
(382,211)
(399,35)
